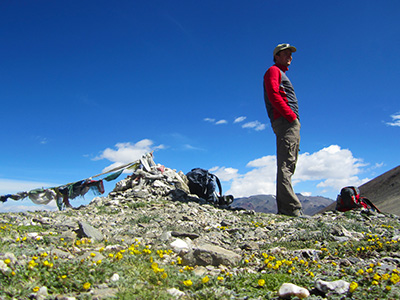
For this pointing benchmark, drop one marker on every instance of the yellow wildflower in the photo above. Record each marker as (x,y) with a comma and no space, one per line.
(187,282)
(353,287)
(7,261)
(205,279)
(385,276)
(164,275)
(86,286)
(261,282)
(220,278)
(35,289)
(376,276)
(395,278)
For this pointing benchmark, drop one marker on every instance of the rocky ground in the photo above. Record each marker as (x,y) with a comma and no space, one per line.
(154,206)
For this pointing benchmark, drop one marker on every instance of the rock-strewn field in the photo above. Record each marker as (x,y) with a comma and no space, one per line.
(216,251)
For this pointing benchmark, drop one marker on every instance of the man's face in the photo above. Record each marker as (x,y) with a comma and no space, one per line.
(284,57)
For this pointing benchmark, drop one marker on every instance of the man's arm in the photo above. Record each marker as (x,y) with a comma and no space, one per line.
(277,97)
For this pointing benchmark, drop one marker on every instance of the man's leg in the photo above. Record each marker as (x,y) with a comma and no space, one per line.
(287,143)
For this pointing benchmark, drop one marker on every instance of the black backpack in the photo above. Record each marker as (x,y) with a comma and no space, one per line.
(350,198)
(203,184)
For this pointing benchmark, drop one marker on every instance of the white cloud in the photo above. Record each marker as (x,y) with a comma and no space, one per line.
(331,163)
(190,147)
(256,125)
(239,119)
(127,152)
(260,180)
(330,168)
(306,194)
(209,120)
(41,140)
(395,119)
(11,186)
(225,174)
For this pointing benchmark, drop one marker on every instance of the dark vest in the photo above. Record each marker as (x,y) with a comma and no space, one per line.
(287,87)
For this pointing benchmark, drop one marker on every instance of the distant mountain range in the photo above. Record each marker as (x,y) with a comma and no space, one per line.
(267,203)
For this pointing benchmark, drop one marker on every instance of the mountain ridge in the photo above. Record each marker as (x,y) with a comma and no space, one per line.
(267,203)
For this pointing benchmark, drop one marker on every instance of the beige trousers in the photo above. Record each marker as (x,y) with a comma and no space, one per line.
(287,150)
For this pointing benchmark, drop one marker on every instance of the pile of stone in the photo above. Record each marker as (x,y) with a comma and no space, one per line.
(150,181)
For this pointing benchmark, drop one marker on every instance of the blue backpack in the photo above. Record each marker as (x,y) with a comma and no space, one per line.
(203,184)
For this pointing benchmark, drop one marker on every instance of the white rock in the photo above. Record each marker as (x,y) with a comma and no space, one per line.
(199,271)
(179,245)
(32,234)
(338,286)
(4,268)
(42,294)
(289,289)
(114,247)
(175,292)
(115,277)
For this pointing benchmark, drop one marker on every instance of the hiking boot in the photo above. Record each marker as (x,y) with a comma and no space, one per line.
(293,213)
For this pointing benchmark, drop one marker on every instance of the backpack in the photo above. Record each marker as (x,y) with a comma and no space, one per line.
(350,198)
(203,184)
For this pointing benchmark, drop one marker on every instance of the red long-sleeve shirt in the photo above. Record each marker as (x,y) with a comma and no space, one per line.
(277,94)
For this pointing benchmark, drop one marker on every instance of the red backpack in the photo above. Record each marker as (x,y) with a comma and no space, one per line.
(349,198)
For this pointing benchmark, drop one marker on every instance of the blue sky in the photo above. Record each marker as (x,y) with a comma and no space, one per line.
(88,84)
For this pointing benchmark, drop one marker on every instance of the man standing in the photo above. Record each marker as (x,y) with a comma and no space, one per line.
(282,108)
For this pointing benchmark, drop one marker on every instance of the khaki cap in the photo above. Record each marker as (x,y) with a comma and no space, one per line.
(281,47)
